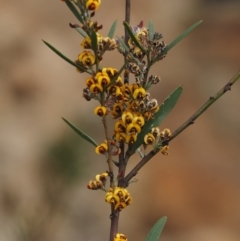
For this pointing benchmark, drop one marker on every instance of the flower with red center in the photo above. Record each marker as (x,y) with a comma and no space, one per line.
(153,106)
(89,81)
(138,119)
(155,131)
(86,43)
(117,110)
(139,93)
(93,5)
(86,58)
(120,126)
(120,136)
(133,128)
(120,237)
(99,182)
(127,117)
(100,110)
(164,150)
(166,133)
(114,90)
(101,149)
(131,139)
(102,78)
(149,139)
(94,185)
(111,72)
(96,88)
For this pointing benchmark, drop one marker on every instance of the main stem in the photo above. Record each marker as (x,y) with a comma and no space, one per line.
(127,19)
(122,162)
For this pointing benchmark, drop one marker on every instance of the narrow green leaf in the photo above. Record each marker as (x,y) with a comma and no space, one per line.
(150,30)
(81,133)
(124,45)
(81,31)
(94,41)
(177,40)
(156,230)
(164,110)
(74,11)
(112,29)
(132,36)
(64,57)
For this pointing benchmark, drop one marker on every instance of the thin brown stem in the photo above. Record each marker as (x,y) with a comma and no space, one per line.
(121,164)
(211,100)
(114,223)
(127,19)
(109,160)
(135,170)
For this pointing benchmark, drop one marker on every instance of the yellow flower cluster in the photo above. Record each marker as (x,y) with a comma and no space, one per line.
(155,135)
(119,197)
(129,104)
(104,43)
(141,33)
(99,182)
(120,237)
(134,109)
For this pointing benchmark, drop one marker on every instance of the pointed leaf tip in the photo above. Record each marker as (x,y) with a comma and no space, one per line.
(156,230)
(150,30)
(81,133)
(178,39)
(112,29)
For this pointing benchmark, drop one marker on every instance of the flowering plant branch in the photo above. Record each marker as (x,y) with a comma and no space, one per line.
(136,115)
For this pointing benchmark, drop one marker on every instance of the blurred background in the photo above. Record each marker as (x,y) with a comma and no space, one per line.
(45,166)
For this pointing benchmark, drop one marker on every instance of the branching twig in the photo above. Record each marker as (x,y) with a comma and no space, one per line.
(190,121)
(211,100)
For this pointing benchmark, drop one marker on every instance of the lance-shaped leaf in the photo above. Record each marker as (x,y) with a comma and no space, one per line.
(132,36)
(74,11)
(162,113)
(94,40)
(81,133)
(81,31)
(156,230)
(78,29)
(112,29)
(177,40)
(123,45)
(64,57)
(150,30)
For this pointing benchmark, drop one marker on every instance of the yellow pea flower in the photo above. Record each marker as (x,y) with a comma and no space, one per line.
(101,149)
(100,111)
(86,58)
(93,5)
